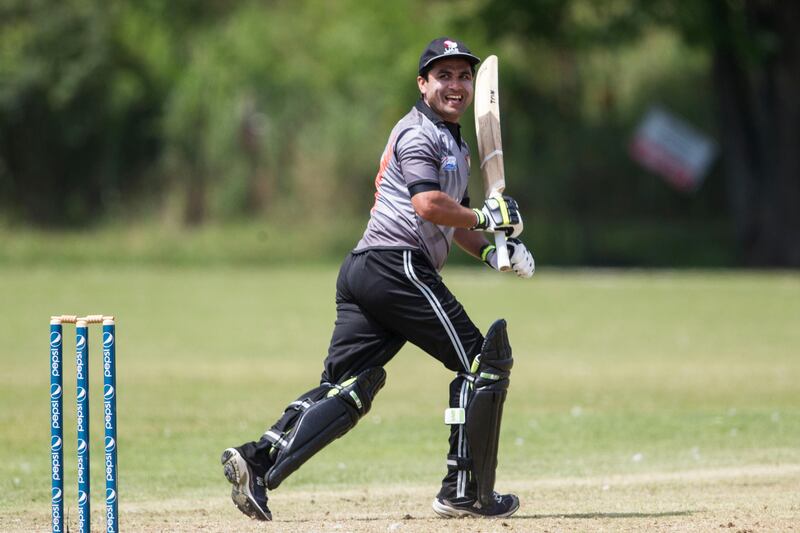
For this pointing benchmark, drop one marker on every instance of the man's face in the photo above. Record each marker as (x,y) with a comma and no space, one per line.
(448,87)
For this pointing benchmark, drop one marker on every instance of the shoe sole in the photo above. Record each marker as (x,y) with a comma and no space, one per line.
(447,511)
(237,473)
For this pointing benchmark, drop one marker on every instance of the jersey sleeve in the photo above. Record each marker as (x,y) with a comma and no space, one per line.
(418,157)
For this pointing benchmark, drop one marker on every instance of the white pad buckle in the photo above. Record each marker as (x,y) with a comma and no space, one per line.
(455,415)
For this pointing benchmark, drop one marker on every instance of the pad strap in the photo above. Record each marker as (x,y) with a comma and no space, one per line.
(280,439)
(469,377)
(454,462)
(300,405)
(276,439)
(455,415)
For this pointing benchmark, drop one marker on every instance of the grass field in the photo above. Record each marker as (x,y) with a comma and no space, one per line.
(639,401)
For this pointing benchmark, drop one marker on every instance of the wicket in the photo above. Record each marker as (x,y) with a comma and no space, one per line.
(82,419)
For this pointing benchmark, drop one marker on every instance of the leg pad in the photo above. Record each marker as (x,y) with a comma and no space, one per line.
(490,371)
(324,421)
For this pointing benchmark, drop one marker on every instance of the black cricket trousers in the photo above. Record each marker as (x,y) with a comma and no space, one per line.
(385,297)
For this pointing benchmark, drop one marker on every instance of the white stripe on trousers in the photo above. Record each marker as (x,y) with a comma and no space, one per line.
(437,308)
(461,482)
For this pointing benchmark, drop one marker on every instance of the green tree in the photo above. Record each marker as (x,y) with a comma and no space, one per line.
(284,106)
(756,68)
(82,84)
(753,48)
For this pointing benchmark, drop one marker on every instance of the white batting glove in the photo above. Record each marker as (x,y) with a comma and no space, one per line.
(521,259)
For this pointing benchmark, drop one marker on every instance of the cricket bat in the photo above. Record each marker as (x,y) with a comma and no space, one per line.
(490,144)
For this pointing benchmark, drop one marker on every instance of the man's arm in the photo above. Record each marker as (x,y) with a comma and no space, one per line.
(499,213)
(441,209)
(470,241)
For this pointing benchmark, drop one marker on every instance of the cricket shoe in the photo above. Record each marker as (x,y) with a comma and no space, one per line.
(249,492)
(503,505)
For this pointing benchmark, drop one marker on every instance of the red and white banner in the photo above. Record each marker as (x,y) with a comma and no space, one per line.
(670,147)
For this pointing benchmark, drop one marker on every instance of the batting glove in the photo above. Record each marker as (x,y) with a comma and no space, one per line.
(499,213)
(521,259)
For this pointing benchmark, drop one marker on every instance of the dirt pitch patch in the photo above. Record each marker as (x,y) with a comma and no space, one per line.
(747,499)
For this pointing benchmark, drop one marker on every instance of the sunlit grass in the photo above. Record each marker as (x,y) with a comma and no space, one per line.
(615,372)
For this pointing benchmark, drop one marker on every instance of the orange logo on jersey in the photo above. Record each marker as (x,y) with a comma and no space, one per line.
(385,159)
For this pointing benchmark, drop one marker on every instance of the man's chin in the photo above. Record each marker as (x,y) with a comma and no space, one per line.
(451,114)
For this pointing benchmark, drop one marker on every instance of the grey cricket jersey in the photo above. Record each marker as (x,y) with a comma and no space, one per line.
(423,153)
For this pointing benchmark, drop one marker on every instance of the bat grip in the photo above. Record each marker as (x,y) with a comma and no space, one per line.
(503,263)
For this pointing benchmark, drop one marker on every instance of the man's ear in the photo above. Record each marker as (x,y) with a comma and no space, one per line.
(422,84)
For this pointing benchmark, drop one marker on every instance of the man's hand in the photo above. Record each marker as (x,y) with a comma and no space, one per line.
(499,213)
(521,259)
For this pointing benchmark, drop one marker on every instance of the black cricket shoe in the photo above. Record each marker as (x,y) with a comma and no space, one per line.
(249,492)
(503,505)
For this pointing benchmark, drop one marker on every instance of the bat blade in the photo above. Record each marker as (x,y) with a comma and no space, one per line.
(490,142)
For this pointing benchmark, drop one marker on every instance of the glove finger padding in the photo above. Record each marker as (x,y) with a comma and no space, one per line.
(511,207)
(499,213)
(512,226)
(520,258)
(516,229)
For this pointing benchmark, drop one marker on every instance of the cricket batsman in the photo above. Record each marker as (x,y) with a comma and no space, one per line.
(389,292)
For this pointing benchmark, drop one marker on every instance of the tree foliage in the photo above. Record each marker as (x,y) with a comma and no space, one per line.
(205,111)
(748,77)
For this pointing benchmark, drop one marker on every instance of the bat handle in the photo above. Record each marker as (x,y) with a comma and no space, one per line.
(503,263)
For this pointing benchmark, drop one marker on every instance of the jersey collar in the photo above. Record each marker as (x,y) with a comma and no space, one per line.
(452,127)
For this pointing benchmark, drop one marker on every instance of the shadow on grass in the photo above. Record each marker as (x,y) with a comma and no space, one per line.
(514,517)
(608,515)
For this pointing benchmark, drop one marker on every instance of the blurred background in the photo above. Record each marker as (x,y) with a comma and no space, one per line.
(636,132)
